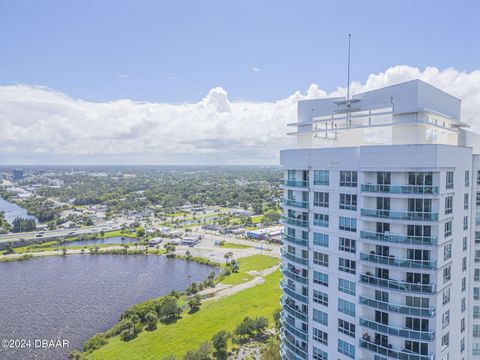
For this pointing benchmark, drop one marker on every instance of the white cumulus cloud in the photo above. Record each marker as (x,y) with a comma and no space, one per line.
(42,126)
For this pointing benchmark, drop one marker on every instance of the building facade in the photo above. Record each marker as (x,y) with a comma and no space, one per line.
(380,256)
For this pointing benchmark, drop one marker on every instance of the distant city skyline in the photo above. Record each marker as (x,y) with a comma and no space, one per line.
(186,83)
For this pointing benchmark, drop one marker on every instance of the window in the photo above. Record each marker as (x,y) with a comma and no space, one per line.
(347,265)
(465,243)
(348,178)
(476,275)
(320,177)
(320,278)
(445,319)
(476,293)
(348,245)
(446,296)
(320,220)
(462,305)
(476,348)
(448,229)
(477,199)
(417,302)
(320,317)
(464,263)
(477,237)
(476,311)
(346,349)
(346,328)
(478,177)
(320,297)
(465,201)
(447,274)
(477,256)
(347,224)
(447,252)
(449,180)
(346,307)
(462,345)
(420,178)
(464,283)
(320,199)
(319,354)
(416,347)
(320,258)
(348,202)
(467,178)
(445,340)
(448,205)
(320,239)
(347,286)
(416,324)
(462,325)
(465,223)
(320,336)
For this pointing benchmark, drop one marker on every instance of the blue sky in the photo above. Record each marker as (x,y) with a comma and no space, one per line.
(176,51)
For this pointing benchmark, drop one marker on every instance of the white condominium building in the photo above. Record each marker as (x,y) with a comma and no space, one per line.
(381,254)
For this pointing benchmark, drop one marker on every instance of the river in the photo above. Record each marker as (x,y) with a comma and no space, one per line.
(13,211)
(74,297)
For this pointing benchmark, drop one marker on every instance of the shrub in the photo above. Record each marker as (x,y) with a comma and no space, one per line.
(95,342)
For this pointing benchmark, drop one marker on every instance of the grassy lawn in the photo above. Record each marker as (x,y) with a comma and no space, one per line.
(230,245)
(192,329)
(256,219)
(254,262)
(118,233)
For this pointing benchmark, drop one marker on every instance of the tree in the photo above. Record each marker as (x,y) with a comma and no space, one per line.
(201,353)
(259,324)
(220,341)
(276,318)
(271,351)
(195,303)
(151,320)
(64,250)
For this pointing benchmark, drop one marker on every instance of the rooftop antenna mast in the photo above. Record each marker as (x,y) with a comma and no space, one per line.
(348,68)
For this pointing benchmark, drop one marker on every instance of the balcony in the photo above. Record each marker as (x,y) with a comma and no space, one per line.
(292,293)
(400,189)
(293,275)
(295,183)
(398,331)
(291,328)
(293,258)
(393,261)
(294,222)
(397,285)
(399,239)
(395,308)
(293,240)
(290,343)
(293,309)
(400,215)
(295,203)
(286,354)
(388,351)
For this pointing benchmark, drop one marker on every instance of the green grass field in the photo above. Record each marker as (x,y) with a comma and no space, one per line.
(254,262)
(230,245)
(192,329)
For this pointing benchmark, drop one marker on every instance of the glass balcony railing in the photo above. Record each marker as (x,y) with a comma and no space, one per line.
(400,215)
(393,261)
(397,331)
(293,275)
(290,292)
(286,354)
(294,222)
(400,239)
(295,183)
(293,309)
(293,258)
(295,203)
(400,189)
(395,308)
(293,240)
(394,354)
(290,326)
(290,343)
(397,285)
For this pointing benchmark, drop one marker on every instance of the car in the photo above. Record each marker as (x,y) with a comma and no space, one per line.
(39,235)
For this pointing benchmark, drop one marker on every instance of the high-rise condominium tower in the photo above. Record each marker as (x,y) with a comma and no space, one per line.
(380,256)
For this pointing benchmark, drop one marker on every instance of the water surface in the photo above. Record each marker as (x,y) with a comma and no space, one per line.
(13,211)
(74,297)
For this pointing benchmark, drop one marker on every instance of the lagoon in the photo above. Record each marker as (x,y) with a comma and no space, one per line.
(74,297)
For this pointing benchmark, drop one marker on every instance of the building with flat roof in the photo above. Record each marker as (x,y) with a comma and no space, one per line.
(380,254)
